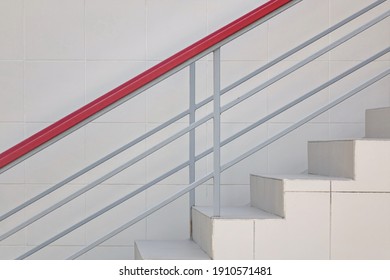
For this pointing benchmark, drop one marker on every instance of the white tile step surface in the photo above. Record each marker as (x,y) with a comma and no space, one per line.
(237,212)
(168,250)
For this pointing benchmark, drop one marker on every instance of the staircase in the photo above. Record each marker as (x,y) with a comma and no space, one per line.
(339,210)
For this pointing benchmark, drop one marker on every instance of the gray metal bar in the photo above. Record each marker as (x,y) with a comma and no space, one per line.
(103,210)
(92,166)
(305,96)
(233,162)
(217,133)
(305,120)
(305,61)
(192,134)
(292,51)
(294,102)
(151,84)
(301,46)
(141,216)
(106,177)
(219,114)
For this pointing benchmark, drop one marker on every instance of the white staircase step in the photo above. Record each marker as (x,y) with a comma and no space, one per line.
(244,212)
(250,233)
(168,250)
(366,161)
(378,123)
(230,236)
(267,192)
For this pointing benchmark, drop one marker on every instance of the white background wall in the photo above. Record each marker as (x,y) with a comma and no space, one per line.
(56,56)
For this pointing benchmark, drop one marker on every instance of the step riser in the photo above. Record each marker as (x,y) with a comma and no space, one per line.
(202,231)
(267,195)
(365,161)
(332,158)
(137,253)
(378,123)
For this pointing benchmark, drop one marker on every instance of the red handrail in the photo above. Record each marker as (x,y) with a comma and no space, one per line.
(90,109)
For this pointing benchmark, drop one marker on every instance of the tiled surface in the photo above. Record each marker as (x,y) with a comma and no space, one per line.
(162,27)
(57,221)
(54,29)
(358,228)
(53,90)
(119,32)
(68,53)
(9,195)
(171,221)
(377,125)
(372,162)
(332,158)
(11,29)
(110,253)
(103,76)
(105,195)
(202,231)
(225,236)
(67,153)
(306,226)
(267,194)
(353,109)
(169,250)
(296,29)
(11,91)
(292,147)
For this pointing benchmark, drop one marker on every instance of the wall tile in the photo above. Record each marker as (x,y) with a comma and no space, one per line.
(115,29)
(53,90)
(255,164)
(54,252)
(296,25)
(104,76)
(54,29)
(11,252)
(68,153)
(289,154)
(98,146)
(11,91)
(169,98)
(375,96)
(103,196)
(251,109)
(11,29)
(11,133)
(306,226)
(165,23)
(222,12)
(172,221)
(58,220)
(358,229)
(110,253)
(10,197)
(225,236)
(296,85)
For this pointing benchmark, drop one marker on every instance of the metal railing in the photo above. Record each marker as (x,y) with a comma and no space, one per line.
(218,168)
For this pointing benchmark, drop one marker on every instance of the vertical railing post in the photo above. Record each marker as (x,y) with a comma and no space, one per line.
(192,134)
(217,132)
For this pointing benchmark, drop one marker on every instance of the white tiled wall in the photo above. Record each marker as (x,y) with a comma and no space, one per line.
(57,55)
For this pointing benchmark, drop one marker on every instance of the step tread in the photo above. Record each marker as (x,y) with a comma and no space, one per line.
(238,212)
(352,140)
(170,250)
